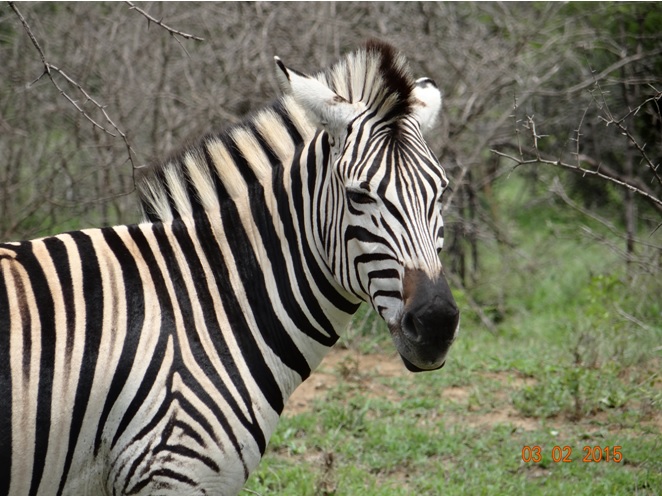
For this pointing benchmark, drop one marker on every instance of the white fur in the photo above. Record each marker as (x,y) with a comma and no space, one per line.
(427,105)
(324,107)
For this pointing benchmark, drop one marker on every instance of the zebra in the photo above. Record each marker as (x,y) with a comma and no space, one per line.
(156,358)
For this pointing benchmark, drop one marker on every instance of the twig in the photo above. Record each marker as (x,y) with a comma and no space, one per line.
(172,31)
(49,69)
(531,125)
(578,136)
(515,122)
(626,132)
(633,319)
(581,170)
(487,322)
(597,77)
(620,123)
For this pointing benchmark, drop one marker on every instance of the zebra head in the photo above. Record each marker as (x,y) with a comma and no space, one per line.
(378,204)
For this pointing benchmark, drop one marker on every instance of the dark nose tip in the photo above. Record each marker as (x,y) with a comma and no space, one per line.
(431,314)
(431,320)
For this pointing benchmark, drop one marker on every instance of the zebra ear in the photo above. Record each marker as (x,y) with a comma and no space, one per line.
(324,107)
(427,103)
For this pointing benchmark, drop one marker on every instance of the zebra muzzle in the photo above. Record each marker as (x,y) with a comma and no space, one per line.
(429,322)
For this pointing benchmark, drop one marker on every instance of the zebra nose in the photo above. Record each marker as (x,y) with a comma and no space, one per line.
(431,315)
(431,320)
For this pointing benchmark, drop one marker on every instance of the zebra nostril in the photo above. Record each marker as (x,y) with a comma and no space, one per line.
(412,327)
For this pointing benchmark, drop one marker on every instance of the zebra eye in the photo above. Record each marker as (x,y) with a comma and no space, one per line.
(441,197)
(359,197)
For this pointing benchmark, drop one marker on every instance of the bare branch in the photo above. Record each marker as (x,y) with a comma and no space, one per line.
(581,170)
(49,69)
(558,190)
(620,124)
(599,169)
(597,77)
(172,31)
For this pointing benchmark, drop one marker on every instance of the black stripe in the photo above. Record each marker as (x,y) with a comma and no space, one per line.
(387,294)
(292,130)
(168,328)
(311,162)
(45,309)
(274,161)
(381,162)
(204,300)
(268,323)
(384,274)
(184,451)
(5,385)
(165,328)
(221,192)
(175,397)
(162,473)
(239,326)
(250,271)
(364,124)
(374,257)
(371,156)
(225,138)
(93,296)
(363,235)
(26,322)
(272,244)
(58,252)
(135,315)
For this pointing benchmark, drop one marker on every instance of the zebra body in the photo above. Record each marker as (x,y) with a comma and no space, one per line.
(156,358)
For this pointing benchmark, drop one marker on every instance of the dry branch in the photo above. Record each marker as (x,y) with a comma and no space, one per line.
(581,170)
(160,23)
(49,69)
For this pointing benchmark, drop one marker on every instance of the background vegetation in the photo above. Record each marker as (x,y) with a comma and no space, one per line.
(552,135)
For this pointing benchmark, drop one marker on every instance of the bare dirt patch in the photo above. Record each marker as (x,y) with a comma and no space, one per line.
(362,372)
(364,369)
(342,365)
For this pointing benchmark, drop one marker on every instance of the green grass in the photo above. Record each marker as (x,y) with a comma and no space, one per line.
(574,361)
(356,444)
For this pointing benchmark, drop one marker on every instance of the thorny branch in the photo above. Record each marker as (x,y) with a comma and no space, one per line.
(623,128)
(158,22)
(582,170)
(608,120)
(603,74)
(49,69)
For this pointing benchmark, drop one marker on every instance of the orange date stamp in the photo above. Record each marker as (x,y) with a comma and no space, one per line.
(563,454)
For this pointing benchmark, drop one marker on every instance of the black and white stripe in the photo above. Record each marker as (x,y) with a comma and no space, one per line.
(156,358)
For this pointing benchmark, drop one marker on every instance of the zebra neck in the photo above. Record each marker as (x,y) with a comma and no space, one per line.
(251,195)
(261,252)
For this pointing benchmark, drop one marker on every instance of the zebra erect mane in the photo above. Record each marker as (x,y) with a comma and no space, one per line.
(377,75)
(223,165)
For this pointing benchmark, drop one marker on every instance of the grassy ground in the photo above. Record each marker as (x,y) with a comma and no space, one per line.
(574,362)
